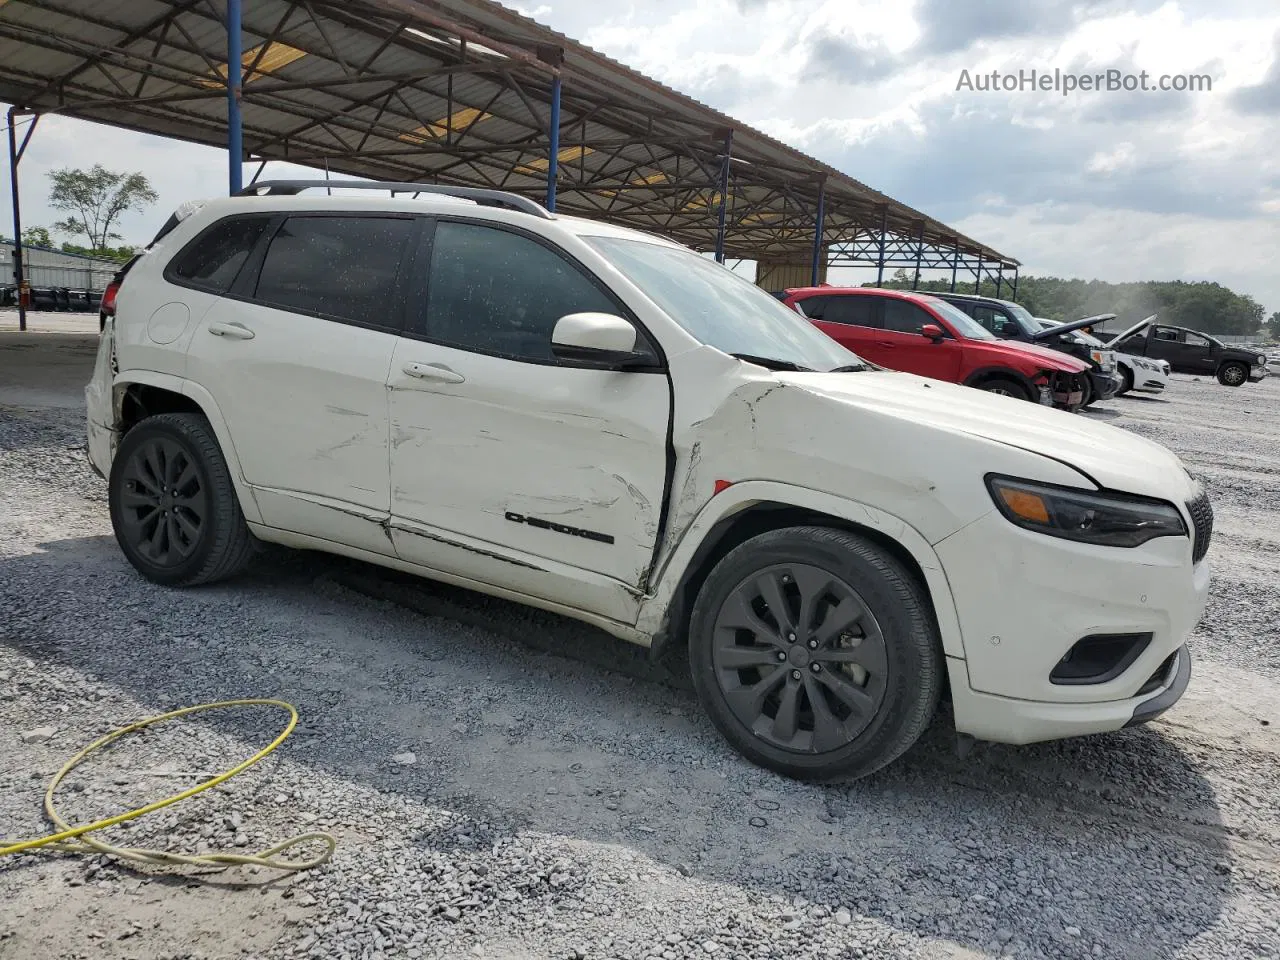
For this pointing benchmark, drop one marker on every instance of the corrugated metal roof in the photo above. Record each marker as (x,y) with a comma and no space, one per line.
(369,87)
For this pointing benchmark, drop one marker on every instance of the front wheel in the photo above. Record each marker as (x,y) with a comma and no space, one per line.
(1233,374)
(173,505)
(815,653)
(1127,381)
(1005,388)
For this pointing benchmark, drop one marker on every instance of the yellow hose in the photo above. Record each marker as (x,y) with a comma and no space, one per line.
(81,843)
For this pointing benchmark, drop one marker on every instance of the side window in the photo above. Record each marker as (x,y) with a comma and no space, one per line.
(494,291)
(212,260)
(903,317)
(1168,334)
(1197,341)
(342,267)
(815,308)
(855,311)
(994,320)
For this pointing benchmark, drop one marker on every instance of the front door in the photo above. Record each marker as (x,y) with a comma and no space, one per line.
(509,466)
(297,360)
(915,352)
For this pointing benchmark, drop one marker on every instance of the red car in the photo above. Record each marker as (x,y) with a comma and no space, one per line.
(920,334)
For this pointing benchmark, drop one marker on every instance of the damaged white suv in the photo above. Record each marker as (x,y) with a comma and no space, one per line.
(603,423)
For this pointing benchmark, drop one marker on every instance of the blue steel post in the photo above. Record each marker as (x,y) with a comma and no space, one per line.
(235,76)
(818,229)
(553,166)
(724,196)
(955,266)
(999,279)
(884,228)
(915,280)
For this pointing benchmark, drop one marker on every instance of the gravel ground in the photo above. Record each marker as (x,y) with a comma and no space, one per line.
(507,784)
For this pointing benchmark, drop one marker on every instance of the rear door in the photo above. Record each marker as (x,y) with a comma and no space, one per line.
(296,355)
(854,320)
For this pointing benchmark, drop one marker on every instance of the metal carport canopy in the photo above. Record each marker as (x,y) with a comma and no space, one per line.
(460,92)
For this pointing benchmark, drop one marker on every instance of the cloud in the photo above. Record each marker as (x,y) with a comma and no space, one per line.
(948,26)
(1262,99)
(850,61)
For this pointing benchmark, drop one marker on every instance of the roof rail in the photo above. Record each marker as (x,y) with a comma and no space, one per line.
(488,198)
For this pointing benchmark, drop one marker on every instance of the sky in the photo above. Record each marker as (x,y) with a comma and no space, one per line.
(1108,185)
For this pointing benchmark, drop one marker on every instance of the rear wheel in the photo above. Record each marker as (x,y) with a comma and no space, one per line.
(815,653)
(1005,388)
(1233,374)
(173,505)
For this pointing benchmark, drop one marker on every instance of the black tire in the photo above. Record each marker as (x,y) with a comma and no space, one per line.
(1090,394)
(1127,385)
(1004,387)
(1233,374)
(903,668)
(155,530)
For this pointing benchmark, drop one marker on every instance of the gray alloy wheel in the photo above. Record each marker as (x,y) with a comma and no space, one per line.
(815,653)
(799,658)
(1233,374)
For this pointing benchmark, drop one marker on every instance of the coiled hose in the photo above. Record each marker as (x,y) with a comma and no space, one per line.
(69,839)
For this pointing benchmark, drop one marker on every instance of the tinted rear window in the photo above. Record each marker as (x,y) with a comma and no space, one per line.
(346,268)
(213,259)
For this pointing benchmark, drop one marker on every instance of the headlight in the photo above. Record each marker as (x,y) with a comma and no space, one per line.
(1107,519)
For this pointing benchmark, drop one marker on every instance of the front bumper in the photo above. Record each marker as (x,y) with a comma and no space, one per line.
(1258,372)
(1024,600)
(1007,720)
(1105,384)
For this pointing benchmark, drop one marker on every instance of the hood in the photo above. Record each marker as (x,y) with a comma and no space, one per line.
(1062,328)
(1116,459)
(1045,356)
(1132,330)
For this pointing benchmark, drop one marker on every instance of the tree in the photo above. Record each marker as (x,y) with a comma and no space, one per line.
(36,237)
(96,199)
(1273,325)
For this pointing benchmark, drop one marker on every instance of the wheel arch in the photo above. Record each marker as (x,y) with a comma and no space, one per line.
(749,509)
(140,393)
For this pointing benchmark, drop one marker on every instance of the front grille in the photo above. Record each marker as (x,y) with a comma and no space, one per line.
(1202,517)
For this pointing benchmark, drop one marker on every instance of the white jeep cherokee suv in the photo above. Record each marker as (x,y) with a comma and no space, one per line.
(605,424)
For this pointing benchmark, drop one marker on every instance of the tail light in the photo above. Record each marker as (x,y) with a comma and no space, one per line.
(109,298)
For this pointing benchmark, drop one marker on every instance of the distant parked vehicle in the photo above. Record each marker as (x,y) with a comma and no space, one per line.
(918,333)
(1138,374)
(1189,351)
(1012,321)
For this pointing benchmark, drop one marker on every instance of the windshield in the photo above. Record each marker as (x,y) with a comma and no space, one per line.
(722,309)
(1023,316)
(960,321)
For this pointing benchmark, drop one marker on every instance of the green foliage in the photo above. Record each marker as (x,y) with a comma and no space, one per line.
(96,199)
(104,253)
(1273,325)
(1209,307)
(36,237)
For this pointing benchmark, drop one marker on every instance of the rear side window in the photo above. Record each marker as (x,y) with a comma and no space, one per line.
(854,311)
(994,320)
(903,317)
(212,260)
(498,292)
(342,268)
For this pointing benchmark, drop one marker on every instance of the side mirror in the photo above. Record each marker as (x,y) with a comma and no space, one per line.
(933,332)
(598,340)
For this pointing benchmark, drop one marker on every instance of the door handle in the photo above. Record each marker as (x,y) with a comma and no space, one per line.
(433,371)
(236,331)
